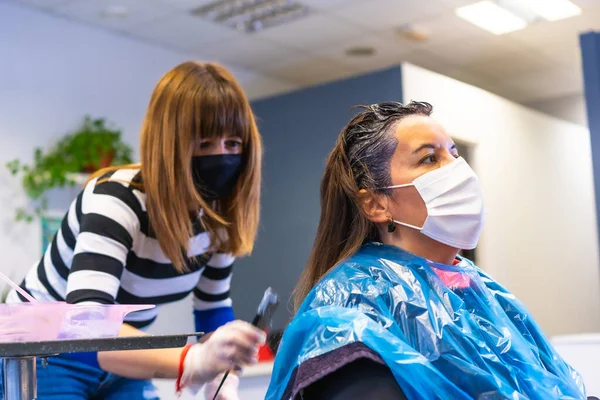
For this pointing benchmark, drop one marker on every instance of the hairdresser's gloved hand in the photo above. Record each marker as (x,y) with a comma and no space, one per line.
(229,390)
(230,347)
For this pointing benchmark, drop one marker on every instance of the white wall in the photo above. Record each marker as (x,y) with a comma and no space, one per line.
(570,108)
(540,236)
(52,72)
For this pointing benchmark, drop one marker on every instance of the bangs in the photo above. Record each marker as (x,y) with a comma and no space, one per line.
(221,109)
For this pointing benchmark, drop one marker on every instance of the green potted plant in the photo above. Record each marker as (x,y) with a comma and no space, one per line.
(95,145)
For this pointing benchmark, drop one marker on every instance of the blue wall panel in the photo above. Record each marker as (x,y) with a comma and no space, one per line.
(590,52)
(299,130)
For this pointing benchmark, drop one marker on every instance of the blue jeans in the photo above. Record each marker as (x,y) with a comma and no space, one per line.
(65,378)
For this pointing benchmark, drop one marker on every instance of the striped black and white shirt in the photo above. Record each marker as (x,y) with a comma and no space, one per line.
(104,252)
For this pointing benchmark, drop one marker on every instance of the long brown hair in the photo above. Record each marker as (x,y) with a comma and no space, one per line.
(359,160)
(195,101)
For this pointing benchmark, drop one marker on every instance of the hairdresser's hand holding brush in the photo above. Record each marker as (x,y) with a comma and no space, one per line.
(232,346)
(227,390)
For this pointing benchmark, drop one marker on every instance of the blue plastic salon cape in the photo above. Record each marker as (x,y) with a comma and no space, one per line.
(445,332)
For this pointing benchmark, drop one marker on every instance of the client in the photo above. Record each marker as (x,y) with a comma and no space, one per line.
(386,308)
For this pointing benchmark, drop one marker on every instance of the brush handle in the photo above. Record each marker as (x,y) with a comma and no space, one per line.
(17,288)
(261,320)
(221,385)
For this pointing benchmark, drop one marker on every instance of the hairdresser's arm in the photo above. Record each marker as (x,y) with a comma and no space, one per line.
(141,364)
(211,296)
(234,344)
(360,379)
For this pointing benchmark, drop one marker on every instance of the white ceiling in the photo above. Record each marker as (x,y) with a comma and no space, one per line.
(538,63)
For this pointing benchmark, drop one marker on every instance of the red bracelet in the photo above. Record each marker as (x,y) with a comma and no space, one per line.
(181,362)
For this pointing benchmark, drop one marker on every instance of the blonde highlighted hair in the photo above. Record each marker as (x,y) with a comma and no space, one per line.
(191,102)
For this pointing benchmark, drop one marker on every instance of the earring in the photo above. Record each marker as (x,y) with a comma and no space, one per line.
(391,225)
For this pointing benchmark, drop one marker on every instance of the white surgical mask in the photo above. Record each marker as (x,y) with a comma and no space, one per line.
(454,201)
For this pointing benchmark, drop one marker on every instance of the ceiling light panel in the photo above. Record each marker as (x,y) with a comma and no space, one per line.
(252,15)
(552,10)
(491,17)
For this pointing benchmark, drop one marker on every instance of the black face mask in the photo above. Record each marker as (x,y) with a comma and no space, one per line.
(215,176)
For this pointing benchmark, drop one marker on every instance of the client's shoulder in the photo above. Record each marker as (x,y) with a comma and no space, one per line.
(357,279)
(360,266)
(369,261)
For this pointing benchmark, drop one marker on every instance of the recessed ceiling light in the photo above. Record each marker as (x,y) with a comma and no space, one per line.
(491,17)
(413,33)
(115,11)
(360,51)
(551,10)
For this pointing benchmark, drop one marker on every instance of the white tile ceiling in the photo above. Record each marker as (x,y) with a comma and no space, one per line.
(537,63)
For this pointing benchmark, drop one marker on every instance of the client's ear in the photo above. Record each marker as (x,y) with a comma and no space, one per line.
(374,206)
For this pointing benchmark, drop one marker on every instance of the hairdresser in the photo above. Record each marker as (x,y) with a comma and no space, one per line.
(153,232)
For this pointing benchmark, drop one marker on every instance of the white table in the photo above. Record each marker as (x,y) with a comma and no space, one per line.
(582,352)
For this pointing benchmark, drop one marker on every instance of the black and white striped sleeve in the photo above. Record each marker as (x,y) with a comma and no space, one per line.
(213,287)
(108,220)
